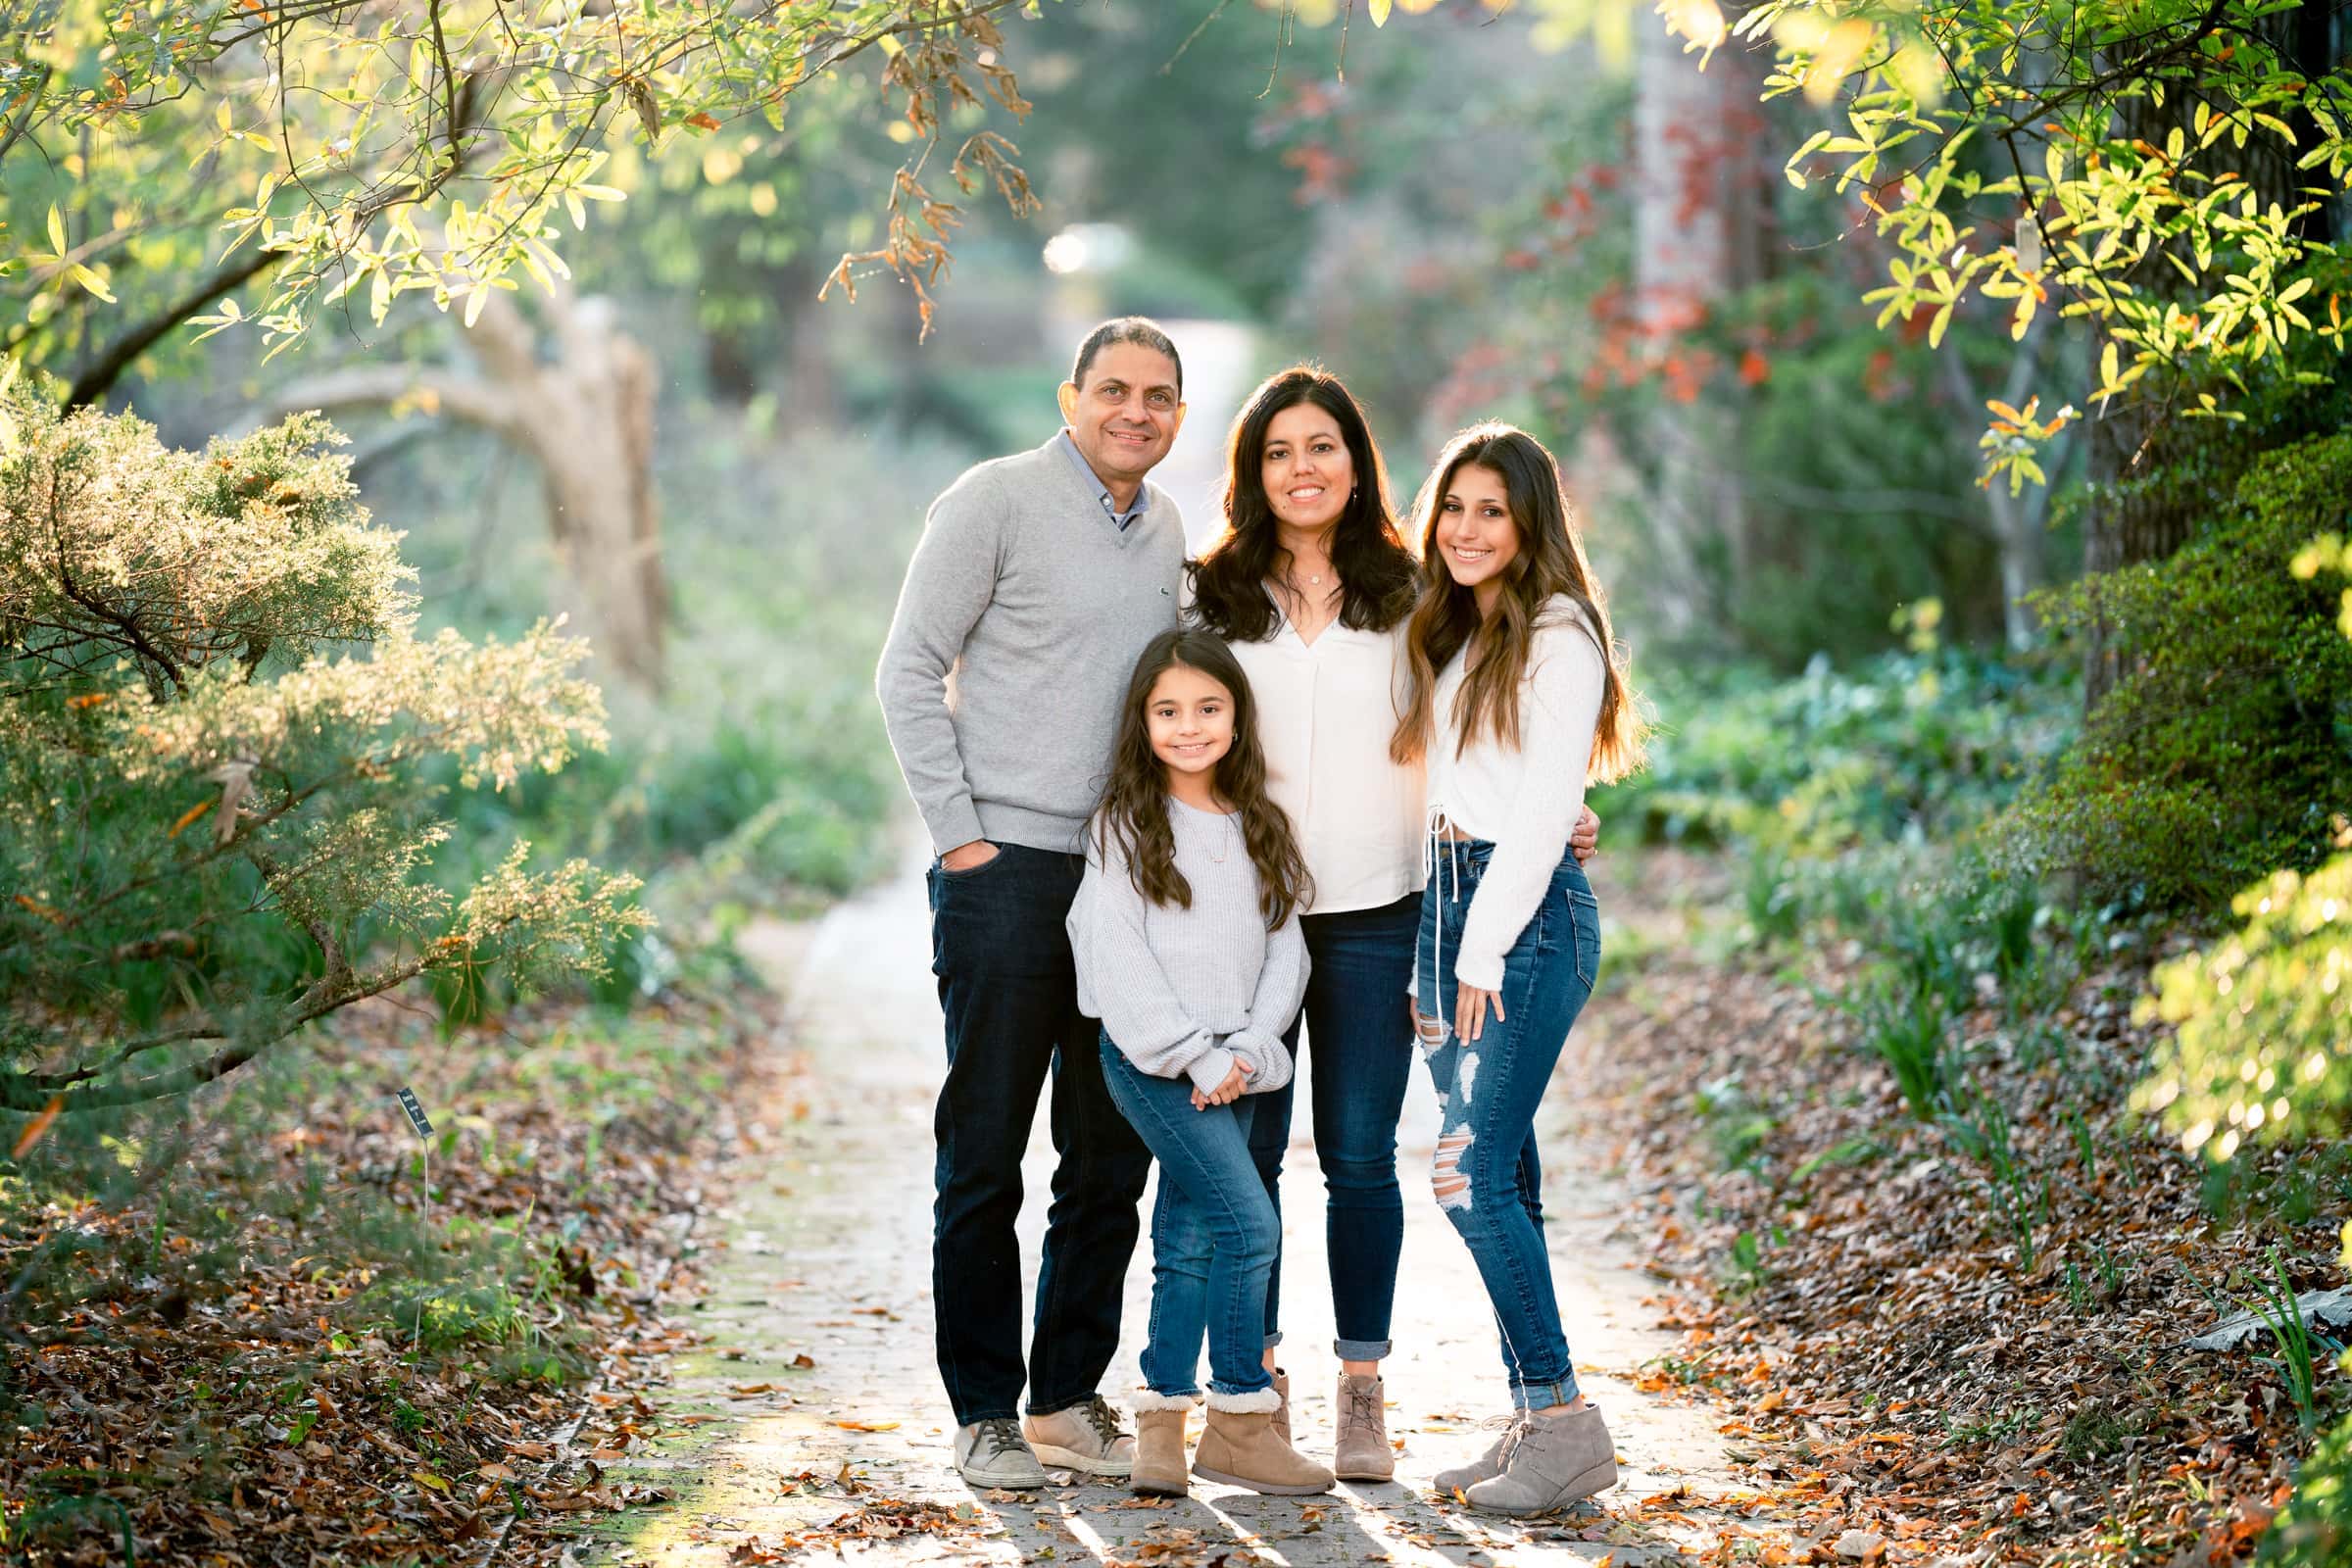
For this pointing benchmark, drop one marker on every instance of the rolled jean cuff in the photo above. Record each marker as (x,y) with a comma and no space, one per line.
(1273,1339)
(1361,1349)
(1543,1395)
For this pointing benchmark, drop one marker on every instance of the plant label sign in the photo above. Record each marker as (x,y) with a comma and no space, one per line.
(417,1117)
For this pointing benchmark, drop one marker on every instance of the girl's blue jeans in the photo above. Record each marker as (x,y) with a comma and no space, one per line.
(1214,1232)
(1489,1090)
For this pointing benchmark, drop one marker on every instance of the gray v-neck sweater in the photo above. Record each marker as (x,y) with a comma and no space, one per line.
(1023,611)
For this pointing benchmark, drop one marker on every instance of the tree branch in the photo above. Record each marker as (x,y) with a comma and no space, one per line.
(462,397)
(94,383)
(33,101)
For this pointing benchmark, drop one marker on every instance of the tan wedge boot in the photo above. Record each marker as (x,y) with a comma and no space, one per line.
(1488,1465)
(1559,1459)
(1238,1448)
(1362,1451)
(1159,1467)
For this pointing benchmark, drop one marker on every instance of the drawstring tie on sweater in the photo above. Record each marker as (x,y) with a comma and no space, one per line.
(1441,863)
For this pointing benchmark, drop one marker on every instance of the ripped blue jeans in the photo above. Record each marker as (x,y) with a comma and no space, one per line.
(1489,1091)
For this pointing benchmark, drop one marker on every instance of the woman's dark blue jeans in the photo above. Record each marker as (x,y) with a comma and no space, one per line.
(1361,1041)
(1489,1090)
(1213,1232)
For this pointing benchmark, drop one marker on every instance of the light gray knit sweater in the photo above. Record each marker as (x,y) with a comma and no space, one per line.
(1192,991)
(1023,611)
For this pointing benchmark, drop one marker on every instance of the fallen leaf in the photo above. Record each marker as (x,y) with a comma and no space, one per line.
(38,1128)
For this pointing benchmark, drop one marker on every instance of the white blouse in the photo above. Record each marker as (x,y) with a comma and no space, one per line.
(1524,801)
(1325,712)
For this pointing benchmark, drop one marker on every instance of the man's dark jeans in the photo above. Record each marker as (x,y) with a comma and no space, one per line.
(1009,990)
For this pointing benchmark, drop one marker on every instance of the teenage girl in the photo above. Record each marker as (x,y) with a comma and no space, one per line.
(1518,700)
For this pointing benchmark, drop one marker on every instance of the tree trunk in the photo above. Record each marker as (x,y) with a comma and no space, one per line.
(2018,523)
(586,415)
(1700,223)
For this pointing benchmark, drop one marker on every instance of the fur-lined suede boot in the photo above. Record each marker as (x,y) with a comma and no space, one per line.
(1159,1467)
(1238,1448)
(1282,1412)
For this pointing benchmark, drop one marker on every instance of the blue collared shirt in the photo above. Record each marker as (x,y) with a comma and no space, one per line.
(1119,520)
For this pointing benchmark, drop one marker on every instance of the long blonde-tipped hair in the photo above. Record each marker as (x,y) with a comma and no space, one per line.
(1550,562)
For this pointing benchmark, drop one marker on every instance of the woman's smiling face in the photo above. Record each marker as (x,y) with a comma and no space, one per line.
(1306,468)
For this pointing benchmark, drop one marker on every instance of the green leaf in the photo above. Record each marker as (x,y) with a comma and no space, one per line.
(57,232)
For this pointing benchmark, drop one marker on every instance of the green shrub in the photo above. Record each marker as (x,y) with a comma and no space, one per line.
(2221,751)
(2316,1525)
(1912,746)
(2262,1042)
(218,731)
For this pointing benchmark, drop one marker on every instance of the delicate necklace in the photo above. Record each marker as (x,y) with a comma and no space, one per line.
(1225,834)
(1316,581)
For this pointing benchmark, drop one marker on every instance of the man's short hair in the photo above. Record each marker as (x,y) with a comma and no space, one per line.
(1141,330)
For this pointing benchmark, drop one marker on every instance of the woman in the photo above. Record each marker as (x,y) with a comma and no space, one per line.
(1518,698)
(1310,583)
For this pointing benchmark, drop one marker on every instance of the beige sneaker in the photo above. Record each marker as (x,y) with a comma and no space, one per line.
(991,1453)
(1084,1438)
(1362,1451)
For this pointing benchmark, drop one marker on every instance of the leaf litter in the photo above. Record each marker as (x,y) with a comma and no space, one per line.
(266,1393)
(1907,1378)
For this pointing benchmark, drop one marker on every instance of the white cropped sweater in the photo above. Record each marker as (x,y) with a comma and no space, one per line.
(1525,800)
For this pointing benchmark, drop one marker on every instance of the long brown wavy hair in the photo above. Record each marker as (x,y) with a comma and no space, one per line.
(1550,562)
(1133,813)
(1376,571)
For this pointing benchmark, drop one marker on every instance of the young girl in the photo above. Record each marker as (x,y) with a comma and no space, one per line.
(1518,698)
(1186,942)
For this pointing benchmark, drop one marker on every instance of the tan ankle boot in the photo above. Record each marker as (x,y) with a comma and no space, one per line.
(1281,1411)
(1238,1448)
(1362,1453)
(1159,1467)
(1559,1459)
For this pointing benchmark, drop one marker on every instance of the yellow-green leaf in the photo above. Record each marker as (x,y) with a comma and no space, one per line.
(57,231)
(93,282)
(1380,11)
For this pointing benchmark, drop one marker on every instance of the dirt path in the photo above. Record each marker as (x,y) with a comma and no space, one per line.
(820,1312)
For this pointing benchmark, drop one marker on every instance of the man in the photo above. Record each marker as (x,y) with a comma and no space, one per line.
(1038,581)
